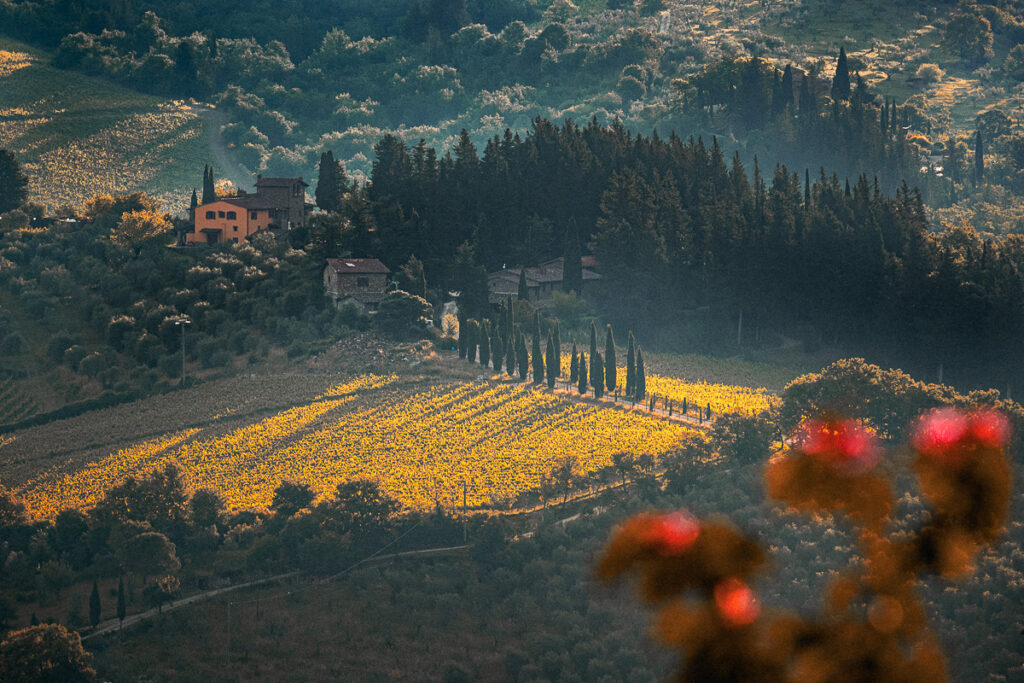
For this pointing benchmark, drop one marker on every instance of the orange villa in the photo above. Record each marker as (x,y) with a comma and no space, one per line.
(278,203)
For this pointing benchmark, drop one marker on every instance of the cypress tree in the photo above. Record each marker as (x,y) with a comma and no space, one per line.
(510,322)
(538,362)
(485,345)
(786,89)
(463,337)
(327,185)
(641,377)
(511,353)
(94,605)
(597,363)
(558,349)
(631,365)
(193,202)
(574,366)
(121,607)
(552,363)
(807,188)
(522,356)
(582,379)
(979,159)
(472,330)
(497,348)
(841,80)
(538,359)
(524,293)
(609,358)
(707,413)
(209,189)
(685,407)
(593,351)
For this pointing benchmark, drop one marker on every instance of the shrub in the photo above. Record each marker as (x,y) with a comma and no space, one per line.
(402,315)
(930,73)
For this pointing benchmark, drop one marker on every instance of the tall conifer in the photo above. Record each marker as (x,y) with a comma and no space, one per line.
(641,376)
(473,330)
(538,359)
(597,379)
(574,366)
(582,379)
(522,356)
(593,350)
(841,80)
(209,186)
(523,293)
(558,349)
(485,344)
(497,348)
(786,89)
(631,365)
(609,360)
(552,362)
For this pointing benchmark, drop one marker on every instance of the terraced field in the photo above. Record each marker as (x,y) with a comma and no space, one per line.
(77,136)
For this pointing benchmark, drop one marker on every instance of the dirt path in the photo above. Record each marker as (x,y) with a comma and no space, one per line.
(112,625)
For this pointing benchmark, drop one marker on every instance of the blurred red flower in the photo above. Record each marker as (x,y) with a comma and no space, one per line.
(736,602)
(842,443)
(672,533)
(949,434)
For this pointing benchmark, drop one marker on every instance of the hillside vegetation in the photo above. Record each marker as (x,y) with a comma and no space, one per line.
(77,136)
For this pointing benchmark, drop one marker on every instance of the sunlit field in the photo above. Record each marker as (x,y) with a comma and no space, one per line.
(723,398)
(487,441)
(76,136)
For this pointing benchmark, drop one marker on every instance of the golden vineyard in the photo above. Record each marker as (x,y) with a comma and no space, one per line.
(483,440)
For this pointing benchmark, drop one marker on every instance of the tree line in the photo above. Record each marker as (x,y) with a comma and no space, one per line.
(677,228)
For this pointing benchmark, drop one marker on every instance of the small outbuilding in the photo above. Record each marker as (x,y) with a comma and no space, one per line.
(360,281)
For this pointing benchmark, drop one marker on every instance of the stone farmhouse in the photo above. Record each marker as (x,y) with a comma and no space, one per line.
(359,281)
(542,281)
(278,204)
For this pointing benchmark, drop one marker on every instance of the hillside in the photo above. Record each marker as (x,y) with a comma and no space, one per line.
(77,136)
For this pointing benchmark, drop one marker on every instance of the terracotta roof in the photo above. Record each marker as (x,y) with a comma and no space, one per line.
(251,202)
(357,265)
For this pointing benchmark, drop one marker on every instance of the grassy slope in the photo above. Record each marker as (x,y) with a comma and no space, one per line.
(77,136)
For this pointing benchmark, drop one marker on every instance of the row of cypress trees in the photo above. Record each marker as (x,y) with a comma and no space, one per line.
(503,343)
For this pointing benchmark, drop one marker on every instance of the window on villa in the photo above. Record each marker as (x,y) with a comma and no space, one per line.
(252,215)
(295,190)
(211,214)
(220,214)
(234,228)
(363,282)
(232,215)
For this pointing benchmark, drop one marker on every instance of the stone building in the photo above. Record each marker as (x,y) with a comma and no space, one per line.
(360,281)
